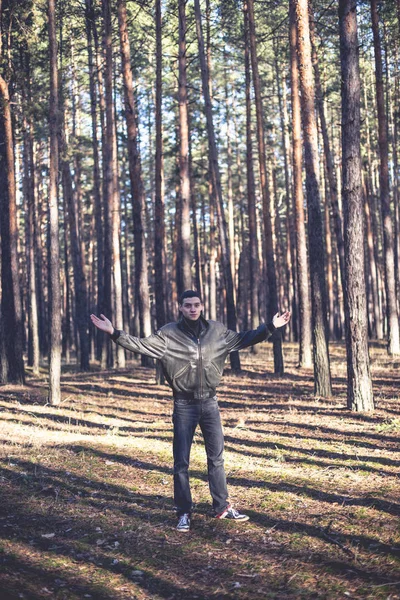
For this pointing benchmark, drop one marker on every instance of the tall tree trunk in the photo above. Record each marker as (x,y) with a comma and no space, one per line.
(11,300)
(322,378)
(290,253)
(196,241)
(98,210)
(184,248)
(159,209)
(212,194)
(12,365)
(67,292)
(268,238)
(244,287)
(40,276)
(30,191)
(254,277)
(107,349)
(104,349)
(231,213)
(388,242)
(54,254)
(377,322)
(395,156)
(30,201)
(81,297)
(74,214)
(305,358)
(395,111)
(76,155)
(216,181)
(330,257)
(137,188)
(111,199)
(212,253)
(359,385)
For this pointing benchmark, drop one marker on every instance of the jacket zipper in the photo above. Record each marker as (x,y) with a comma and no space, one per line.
(200,367)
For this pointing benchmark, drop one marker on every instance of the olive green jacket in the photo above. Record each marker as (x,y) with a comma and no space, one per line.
(193,366)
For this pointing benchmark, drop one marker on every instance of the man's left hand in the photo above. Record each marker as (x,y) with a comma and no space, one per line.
(281,320)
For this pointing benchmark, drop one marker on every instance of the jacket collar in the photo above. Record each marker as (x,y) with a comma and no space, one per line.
(184,327)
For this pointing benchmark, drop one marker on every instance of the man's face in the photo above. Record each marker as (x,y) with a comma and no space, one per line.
(191,308)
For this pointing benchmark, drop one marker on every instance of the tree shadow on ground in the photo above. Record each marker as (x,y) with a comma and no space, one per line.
(154,547)
(323,464)
(319,532)
(312,452)
(341,433)
(298,490)
(290,407)
(75,421)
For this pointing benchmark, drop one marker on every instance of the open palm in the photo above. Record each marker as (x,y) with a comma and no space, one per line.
(281,320)
(102,323)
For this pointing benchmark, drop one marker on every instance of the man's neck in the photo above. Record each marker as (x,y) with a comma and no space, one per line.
(193,325)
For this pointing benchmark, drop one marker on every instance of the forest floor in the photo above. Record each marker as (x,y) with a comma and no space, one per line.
(86,488)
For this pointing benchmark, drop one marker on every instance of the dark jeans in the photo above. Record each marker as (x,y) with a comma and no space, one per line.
(187,415)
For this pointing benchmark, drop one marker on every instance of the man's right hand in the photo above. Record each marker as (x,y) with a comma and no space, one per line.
(102,323)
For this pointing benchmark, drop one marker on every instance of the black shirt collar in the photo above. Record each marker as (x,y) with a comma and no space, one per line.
(193,328)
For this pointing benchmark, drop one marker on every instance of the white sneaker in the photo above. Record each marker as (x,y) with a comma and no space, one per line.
(184,522)
(232,513)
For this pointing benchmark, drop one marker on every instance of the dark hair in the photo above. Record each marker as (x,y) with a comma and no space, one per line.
(189,294)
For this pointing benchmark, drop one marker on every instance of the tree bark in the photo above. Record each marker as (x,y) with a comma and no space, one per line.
(388,241)
(12,365)
(11,301)
(254,277)
(394,108)
(231,213)
(137,188)
(30,193)
(54,251)
(111,198)
(212,252)
(159,209)
(359,385)
(377,321)
(305,358)
(81,296)
(98,210)
(196,241)
(184,176)
(290,251)
(322,378)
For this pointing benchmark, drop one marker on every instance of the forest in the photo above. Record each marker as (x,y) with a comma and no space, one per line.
(246,150)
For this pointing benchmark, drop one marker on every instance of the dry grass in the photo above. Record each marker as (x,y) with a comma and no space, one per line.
(86,490)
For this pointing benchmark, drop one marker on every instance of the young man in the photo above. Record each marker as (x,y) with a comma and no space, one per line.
(192,353)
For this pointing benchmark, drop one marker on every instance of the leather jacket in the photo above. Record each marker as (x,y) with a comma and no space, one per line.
(193,366)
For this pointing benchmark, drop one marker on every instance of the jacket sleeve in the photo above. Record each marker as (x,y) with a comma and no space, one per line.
(154,345)
(244,339)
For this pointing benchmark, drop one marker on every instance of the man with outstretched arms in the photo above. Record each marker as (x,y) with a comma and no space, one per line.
(192,352)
